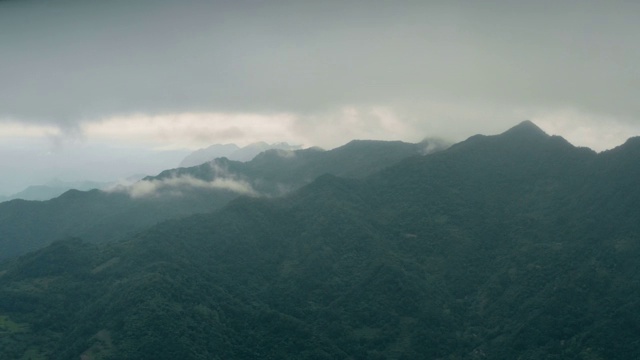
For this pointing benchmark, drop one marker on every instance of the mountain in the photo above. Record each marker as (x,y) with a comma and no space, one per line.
(250,151)
(207,154)
(99,216)
(54,189)
(276,171)
(40,192)
(514,246)
(231,152)
(96,216)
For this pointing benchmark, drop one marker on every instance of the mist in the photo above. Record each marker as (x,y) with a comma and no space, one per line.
(164,75)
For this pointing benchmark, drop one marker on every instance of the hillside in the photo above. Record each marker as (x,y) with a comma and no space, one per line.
(515,246)
(100,216)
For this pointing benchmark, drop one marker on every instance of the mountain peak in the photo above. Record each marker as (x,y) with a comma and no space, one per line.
(630,148)
(524,136)
(526,128)
(632,142)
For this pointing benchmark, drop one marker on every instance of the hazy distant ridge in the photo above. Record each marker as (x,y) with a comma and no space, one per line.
(231,152)
(53,189)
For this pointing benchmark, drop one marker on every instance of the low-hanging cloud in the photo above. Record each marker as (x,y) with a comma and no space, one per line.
(174,186)
(192,130)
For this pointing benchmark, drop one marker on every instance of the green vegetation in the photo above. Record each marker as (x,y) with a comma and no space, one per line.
(99,217)
(517,246)
(9,327)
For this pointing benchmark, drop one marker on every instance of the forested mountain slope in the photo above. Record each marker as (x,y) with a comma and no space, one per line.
(515,246)
(99,216)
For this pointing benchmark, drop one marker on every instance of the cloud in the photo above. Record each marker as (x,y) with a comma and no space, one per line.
(82,73)
(453,121)
(57,137)
(82,62)
(16,129)
(176,185)
(337,127)
(434,144)
(192,130)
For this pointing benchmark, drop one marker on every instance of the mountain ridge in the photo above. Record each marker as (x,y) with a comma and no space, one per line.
(472,252)
(122,211)
(232,152)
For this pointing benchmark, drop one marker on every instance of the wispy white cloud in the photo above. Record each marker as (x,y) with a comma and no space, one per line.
(196,130)
(15,129)
(176,185)
(192,130)
(336,127)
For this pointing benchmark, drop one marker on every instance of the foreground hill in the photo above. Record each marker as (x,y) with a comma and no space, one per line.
(515,246)
(99,216)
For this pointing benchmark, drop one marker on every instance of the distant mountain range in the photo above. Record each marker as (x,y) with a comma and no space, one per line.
(231,152)
(513,246)
(99,216)
(53,189)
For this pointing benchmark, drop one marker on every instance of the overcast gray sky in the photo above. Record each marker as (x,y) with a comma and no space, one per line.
(77,76)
